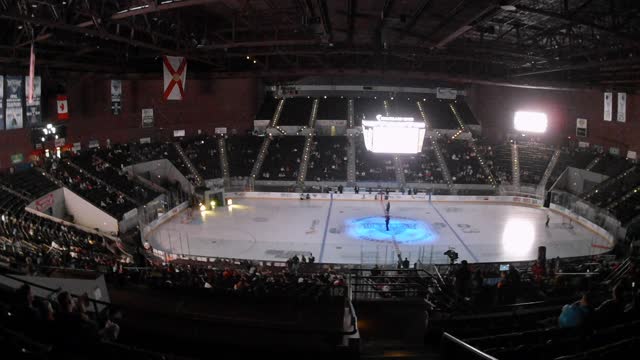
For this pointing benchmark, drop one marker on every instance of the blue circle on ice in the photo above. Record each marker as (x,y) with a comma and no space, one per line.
(402,230)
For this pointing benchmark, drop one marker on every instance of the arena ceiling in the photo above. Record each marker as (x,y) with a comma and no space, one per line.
(563,42)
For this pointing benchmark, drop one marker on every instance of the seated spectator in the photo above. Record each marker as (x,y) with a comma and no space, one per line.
(577,315)
(611,311)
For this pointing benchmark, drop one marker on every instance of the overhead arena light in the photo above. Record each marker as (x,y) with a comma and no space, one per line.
(529,121)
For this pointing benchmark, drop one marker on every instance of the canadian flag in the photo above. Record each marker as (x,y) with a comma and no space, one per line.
(63,107)
(174,69)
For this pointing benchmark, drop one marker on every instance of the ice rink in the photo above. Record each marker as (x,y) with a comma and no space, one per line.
(354,232)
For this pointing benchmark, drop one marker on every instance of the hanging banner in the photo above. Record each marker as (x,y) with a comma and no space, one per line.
(1,102)
(174,71)
(622,107)
(116,96)
(581,127)
(17,158)
(34,115)
(30,79)
(63,107)
(15,93)
(147,117)
(608,106)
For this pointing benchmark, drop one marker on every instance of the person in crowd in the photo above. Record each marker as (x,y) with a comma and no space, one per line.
(611,311)
(463,280)
(406,263)
(577,315)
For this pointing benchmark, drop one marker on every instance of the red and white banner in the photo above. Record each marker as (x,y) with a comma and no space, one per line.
(63,107)
(174,70)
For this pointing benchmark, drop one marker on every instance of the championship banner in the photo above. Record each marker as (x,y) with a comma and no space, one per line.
(147,117)
(116,96)
(1,102)
(608,106)
(581,127)
(174,69)
(34,112)
(622,107)
(63,107)
(15,93)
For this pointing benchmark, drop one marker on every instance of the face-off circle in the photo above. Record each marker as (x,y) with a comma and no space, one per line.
(402,230)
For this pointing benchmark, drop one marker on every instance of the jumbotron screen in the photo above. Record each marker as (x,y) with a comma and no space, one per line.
(393,135)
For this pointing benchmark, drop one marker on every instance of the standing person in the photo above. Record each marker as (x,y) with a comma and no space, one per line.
(546,224)
(388,206)
(386,220)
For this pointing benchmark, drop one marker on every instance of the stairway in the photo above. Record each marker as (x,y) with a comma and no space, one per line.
(399,170)
(351,161)
(351,114)
(463,128)
(483,163)
(515,166)
(549,170)
(308,144)
(189,164)
(262,154)
(608,182)
(224,162)
(436,149)
(458,117)
(624,197)
(593,162)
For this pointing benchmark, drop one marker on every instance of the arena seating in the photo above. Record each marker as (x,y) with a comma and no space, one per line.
(31,183)
(465,112)
(423,167)
(628,208)
(241,154)
(613,189)
(203,153)
(102,196)
(439,114)
(328,159)
(267,108)
(112,176)
(611,165)
(500,156)
(462,162)
(367,108)
(333,108)
(296,111)
(283,158)
(534,159)
(405,107)
(372,166)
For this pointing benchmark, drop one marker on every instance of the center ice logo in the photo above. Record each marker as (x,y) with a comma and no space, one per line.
(402,230)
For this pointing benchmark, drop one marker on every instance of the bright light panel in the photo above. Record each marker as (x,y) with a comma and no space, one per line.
(393,138)
(530,121)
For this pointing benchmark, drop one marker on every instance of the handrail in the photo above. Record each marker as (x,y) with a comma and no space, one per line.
(39,286)
(448,337)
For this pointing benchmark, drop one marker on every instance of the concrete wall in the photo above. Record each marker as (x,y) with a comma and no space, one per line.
(87,214)
(494,107)
(51,203)
(208,103)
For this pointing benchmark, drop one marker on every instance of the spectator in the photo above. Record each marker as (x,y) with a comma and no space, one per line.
(463,280)
(578,314)
(611,311)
